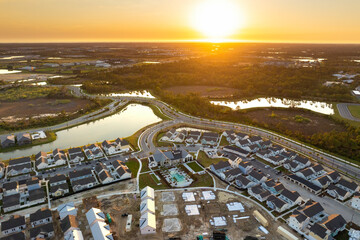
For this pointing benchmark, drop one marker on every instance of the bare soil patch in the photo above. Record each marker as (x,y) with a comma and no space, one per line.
(295,120)
(34,107)
(204,91)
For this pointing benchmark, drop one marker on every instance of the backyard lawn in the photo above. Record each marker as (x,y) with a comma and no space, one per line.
(148,180)
(206,161)
(204,180)
(195,166)
(133,166)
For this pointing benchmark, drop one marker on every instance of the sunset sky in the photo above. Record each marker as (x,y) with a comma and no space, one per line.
(323,21)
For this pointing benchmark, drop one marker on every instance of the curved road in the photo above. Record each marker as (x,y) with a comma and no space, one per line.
(345,112)
(146,141)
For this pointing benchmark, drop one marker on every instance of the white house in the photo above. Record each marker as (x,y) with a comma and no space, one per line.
(13,225)
(99,229)
(355,201)
(147,193)
(147,223)
(147,205)
(298,221)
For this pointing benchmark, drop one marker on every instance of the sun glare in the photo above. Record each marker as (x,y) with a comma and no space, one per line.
(217,19)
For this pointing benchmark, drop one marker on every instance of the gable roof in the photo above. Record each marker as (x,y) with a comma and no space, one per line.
(74,150)
(69,222)
(57,178)
(276,201)
(16,221)
(313,209)
(350,185)
(46,228)
(334,222)
(319,230)
(18,161)
(292,195)
(40,214)
(221,165)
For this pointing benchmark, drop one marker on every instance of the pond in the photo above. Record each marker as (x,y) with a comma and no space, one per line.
(320,107)
(5,71)
(122,124)
(144,94)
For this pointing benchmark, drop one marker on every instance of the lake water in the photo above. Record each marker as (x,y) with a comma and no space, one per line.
(144,94)
(5,71)
(320,107)
(123,124)
(11,57)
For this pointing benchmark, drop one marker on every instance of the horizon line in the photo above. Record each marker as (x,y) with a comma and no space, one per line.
(214,41)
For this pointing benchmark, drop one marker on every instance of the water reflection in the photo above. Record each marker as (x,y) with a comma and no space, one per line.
(320,107)
(122,124)
(5,71)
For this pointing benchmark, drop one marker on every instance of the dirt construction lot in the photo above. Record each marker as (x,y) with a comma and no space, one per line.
(286,118)
(34,107)
(173,221)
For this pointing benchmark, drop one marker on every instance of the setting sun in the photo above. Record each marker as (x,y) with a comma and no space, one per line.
(217,19)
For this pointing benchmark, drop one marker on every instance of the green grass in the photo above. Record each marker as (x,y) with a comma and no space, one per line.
(133,165)
(155,179)
(159,143)
(204,180)
(354,110)
(147,180)
(223,141)
(195,166)
(206,161)
(145,166)
(26,92)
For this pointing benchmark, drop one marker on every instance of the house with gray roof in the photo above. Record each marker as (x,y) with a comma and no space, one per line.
(259,193)
(16,236)
(193,137)
(45,231)
(349,186)
(76,155)
(23,139)
(13,225)
(84,183)
(210,138)
(11,203)
(41,216)
(36,196)
(277,204)
(243,182)
(169,158)
(8,141)
(338,193)
(19,166)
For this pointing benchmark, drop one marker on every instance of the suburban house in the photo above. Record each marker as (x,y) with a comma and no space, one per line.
(210,138)
(307,174)
(193,137)
(276,204)
(243,182)
(41,160)
(42,232)
(245,167)
(2,169)
(351,187)
(76,155)
(292,165)
(13,225)
(8,141)
(317,231)
(303,162)
(289,155)
(180,137)
(93,151)
(231,174)
(103,173)
(147,193)
(220,167)
(37,196)
(355,201)
(241,136)
(99,228)
(273,187)
(67,209)
(259,193)
(298,221)
(228,133)
(264,153)
(58,179)
(58,157)
(322,182)
(147,205)
(70,227)
(10,188)
(40,217)
(23,139)
(11,203)
(80,174)
(59,190)
(313,210)
(19,166)
(318,170)
(265,144)
(255,140)
(251,148)
(231,139)
(33,183)
(169,158)
(334,176)
(242,143)
(276,160)
(335,223)
(121,169)
(290,197)
(84,183)
(276,149)
(234,160)
(118,146)
(338,193)
(256,177)
(236,150)
(15,236)
(147,223)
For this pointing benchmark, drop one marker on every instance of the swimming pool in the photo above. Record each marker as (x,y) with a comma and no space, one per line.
(176,176)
